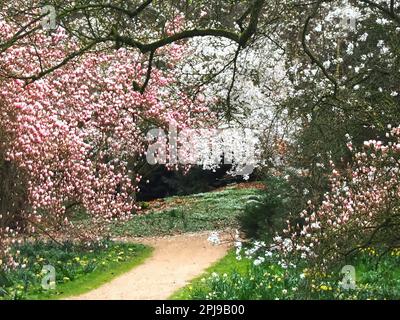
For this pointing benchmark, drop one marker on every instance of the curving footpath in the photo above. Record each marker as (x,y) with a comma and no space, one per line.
(174,262)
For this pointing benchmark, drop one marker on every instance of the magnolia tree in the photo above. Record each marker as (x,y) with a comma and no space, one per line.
(361,209)
(245,87)
(81,84)
(344,68)
(77,133)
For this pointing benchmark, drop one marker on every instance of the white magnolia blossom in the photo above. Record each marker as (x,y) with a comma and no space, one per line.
(259,86)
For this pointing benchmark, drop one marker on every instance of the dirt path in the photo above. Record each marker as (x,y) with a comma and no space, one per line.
(175,261)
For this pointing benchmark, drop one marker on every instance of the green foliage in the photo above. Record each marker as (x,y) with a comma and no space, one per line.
(202,211)
(78,268)
(269,281)
(144,205)
(227,265)
(362,107)
(264,214)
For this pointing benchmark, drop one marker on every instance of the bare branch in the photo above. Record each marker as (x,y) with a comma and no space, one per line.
(308,51)
(389,12)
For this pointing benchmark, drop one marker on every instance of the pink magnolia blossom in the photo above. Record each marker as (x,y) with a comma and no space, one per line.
(78,131)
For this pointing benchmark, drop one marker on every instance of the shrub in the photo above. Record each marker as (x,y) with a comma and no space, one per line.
(13,198)
(267,278)
(71,261)
(264,214)
(360,210)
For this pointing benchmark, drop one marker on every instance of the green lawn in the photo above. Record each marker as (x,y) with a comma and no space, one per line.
(227,265)
(230,278)
(203,211)
(78,270)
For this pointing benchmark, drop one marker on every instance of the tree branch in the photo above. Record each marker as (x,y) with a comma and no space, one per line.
(308,51)
(388,11)
(148,74)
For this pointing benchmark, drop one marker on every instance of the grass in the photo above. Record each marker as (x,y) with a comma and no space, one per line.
(78,269)
(234,279)
(199,212)
(100,276)
(227,265)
